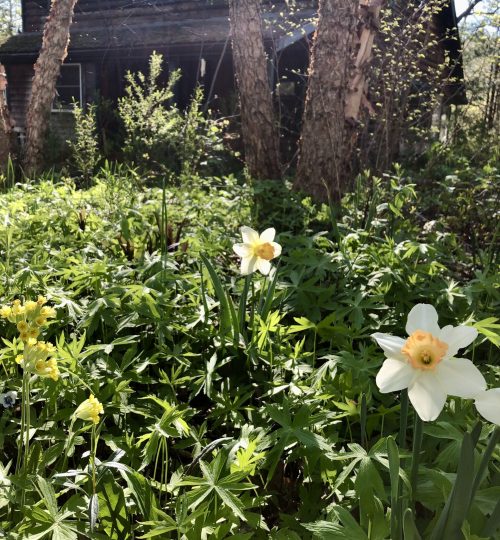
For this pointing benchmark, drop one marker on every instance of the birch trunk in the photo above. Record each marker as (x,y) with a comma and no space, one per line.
(47,68)
(259,130)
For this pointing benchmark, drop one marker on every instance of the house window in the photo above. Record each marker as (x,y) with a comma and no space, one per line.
(68,88)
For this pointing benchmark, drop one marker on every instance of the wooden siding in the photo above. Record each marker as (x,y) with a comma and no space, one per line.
(18,91)
(19,78)
(91,14)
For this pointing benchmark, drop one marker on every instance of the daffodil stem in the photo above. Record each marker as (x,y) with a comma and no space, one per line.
(483,467)
(403,420)
(417,446)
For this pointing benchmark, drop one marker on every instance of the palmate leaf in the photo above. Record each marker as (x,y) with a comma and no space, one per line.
(213,483)
(490,329)
(348,529)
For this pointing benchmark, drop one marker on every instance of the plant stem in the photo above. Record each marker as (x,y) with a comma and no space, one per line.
(483,466)
(403,419)
(417,445)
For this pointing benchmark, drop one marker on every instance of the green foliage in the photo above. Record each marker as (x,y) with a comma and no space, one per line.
(85,146)
(242,407)
(158,133)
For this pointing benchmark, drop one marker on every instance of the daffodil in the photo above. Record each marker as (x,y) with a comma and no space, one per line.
(257,251)
(425,363)
(89,410)
(488,405)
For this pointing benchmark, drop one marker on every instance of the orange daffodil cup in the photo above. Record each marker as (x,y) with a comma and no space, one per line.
(257,251)
(426,364)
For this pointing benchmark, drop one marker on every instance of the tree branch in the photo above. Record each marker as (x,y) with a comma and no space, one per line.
(468,11)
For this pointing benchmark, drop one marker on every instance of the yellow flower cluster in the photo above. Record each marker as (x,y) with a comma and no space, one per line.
(90,409)
(37,358)
(29,317)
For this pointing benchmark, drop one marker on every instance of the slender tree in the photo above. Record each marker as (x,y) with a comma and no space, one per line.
(259,129)
(47,68)
(336,95)
(5,122)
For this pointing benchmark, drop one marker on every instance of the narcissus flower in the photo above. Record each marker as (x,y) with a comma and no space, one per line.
(257,251)
(425,363)
(89,410)
(488,405)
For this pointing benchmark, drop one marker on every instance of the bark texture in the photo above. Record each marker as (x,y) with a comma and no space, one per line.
(5,123)
(368,27)
(47,68)
(260,133)
(321,145)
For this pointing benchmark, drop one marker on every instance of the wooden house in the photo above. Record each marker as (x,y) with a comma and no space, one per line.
(111,37)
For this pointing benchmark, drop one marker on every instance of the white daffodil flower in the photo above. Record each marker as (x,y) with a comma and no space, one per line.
(257,251)
(488,405)
(425,363)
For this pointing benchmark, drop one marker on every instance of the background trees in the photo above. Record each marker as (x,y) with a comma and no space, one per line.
(258,126)
(47,69)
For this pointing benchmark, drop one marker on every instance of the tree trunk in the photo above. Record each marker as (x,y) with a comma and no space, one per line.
(5,123)
(336,94)
(47,69)
(321,145)
(260,133)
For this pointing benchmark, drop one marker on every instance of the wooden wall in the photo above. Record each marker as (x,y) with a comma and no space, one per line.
(100,13)
(18,91)
(19,77)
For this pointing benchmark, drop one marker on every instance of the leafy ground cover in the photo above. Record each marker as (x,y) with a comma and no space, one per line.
(242,407)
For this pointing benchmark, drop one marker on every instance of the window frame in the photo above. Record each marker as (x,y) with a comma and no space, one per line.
(80,80)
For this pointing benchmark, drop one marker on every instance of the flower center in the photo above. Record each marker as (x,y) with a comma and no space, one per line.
(264,251)
(423,350)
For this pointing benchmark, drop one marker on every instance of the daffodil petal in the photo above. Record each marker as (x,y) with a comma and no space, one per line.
(249,235)
(460,377)
(394,375)
(242,250)
(422,317)
(248,265)
(391,345)
(263,266)
(268,235)
(277,249)
(427,396)
(488,405)
(457,338)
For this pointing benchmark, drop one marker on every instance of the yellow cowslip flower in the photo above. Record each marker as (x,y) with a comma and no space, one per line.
(19,358)
(25,336)
(35,356)
(48,312)
(5,312)
(40,321)
(33,332)
(47,368)
(89,410)
(23,326)
(30,306)
(41,300)
(17,308)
